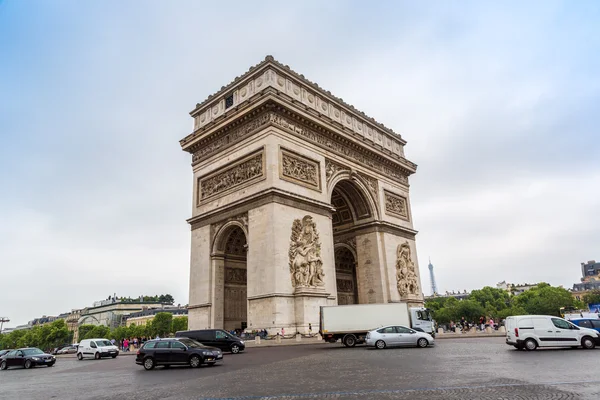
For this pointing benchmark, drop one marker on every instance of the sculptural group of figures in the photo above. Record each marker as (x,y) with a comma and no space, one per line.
(306,265)
(406,277)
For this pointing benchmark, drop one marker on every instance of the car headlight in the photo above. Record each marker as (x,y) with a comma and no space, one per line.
(207,353)
(35,358)
(241,341)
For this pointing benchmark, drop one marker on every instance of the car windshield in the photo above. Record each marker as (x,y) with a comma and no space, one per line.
(32,352)
(192,343)
(103,343)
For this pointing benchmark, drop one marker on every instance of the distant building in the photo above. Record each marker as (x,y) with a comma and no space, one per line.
(457,295)
(515,289)
(114,314)
(145,316)
(590,280)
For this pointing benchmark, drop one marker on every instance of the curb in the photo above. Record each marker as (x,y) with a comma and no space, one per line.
(468,335)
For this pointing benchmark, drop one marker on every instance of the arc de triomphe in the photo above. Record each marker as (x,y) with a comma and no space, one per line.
(300,200)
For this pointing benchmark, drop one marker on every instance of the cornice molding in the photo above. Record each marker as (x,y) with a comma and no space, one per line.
(263,197)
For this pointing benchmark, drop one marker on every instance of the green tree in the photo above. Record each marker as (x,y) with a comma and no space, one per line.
(492,299)
(179,324)
(544,299)
(162,323)
(83,330)
(592,297)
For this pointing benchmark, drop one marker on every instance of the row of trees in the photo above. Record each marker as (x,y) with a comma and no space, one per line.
(163,298)
(56,334)
(498,304)
(163,324)
(46,336)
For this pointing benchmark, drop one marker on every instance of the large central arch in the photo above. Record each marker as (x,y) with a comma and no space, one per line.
(353,206)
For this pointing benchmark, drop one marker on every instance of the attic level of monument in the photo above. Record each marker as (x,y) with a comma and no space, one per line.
(271,79)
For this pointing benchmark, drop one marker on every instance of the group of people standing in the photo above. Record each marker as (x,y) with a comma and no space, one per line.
(125,344)
(465,325)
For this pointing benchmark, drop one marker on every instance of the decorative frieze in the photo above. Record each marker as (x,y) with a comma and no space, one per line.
(324,138)
(236,276)
(371,184)
(396,205)
(218,141)
(339,146)
(299,169)
(242,173)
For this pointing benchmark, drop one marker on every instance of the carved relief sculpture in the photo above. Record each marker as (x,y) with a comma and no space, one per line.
(406,278)
(306,265)
(245,171)
(301,170)
(396,205)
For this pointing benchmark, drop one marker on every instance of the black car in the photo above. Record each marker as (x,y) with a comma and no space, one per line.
(26,358)
(177,351)
(217,338)
(3,352)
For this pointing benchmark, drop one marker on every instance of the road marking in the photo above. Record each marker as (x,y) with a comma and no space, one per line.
(391,391)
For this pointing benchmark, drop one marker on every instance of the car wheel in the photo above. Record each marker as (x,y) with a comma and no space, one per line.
(518,346)
(349,340)
(588,343)
(51,365)
(530,345)
(195,361)
(79,356)
(380,344)
(211,364)
(27,364)
(3,365)
(422,343)
(235,348)
(114,356)
(149,363)
(97,356)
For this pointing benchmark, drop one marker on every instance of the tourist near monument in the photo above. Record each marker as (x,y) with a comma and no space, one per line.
(300,201)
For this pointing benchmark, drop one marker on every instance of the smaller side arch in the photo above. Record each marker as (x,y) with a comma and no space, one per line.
(221,236)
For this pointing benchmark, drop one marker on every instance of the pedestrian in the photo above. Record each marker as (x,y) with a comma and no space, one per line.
(125,344)
(309,328)
(481,323)
(135,343)
(491,323)
(282,332)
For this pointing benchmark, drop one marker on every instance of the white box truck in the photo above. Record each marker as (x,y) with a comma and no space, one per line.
(351,323)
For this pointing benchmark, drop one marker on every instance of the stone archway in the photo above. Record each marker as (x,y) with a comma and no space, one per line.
(345,273)
(230,290)
(353,207)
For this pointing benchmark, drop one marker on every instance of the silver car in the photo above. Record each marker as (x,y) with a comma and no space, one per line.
(390,336)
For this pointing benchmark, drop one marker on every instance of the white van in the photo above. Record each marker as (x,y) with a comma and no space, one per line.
(96,348)
(532,331)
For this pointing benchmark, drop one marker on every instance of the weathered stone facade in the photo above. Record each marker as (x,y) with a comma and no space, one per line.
(300,201)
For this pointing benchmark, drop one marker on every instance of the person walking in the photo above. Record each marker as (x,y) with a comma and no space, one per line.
(309,328)
(125,344)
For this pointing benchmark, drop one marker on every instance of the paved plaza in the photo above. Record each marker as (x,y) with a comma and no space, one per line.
(473,368)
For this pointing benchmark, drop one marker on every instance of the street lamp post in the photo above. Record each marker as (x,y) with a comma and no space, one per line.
(2,321)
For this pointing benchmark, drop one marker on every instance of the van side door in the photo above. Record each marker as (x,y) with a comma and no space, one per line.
(565,334)
(543,331)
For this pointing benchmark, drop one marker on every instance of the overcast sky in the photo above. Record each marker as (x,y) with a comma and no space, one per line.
(500,106)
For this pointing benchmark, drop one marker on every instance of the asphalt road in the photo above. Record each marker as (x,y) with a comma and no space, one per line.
(454,369)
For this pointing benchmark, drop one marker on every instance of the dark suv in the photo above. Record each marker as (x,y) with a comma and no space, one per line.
(217,338)
(177,351)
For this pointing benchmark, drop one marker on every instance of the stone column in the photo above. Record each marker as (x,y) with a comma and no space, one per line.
(218,291)
(370,267)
